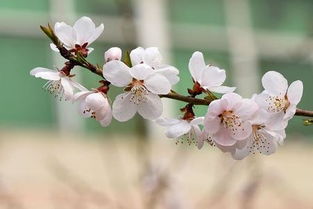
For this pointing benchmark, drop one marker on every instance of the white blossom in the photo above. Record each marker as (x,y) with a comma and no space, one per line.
(279,99)
(228,118)
(143,86)
(180,129)
(152,57)
(95,104)
(80,36)
(59,84)
(209,77)
(113,53)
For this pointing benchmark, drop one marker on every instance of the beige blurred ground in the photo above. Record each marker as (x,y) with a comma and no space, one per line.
(52,171)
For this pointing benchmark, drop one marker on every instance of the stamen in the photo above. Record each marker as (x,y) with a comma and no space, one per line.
(231,121)
(277,103)
(139,93)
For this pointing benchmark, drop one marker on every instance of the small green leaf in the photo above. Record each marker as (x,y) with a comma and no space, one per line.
(308,122)
(127,59)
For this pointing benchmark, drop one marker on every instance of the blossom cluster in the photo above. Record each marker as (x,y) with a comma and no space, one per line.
(233,124)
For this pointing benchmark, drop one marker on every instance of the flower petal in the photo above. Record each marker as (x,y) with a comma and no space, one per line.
(223,138)
(152,108)
(196,65)
(197,121)
(212,76)
(152,57)
(170,72)
(212,124)
(117,73)
(81,95)
(247,109)
(141,71)
(157,84)
(84,110)
(67,87)
(166,121)
(221,89)
(123,109)
(54,47)
(233,100)
(45,73)
(178,129)
(65,33)
(217,107)
(275,83)
(107,119)
(84,28)
(114,53)
(241,132)
(97,32)
(137,56)
(97,101)
(295,92)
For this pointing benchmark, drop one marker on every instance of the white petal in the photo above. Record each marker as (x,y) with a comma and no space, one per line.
(107,119)
(153,57)
(45,73)
(78,86)
(166,121)
(170,72)
(197,121)
(217,107)
(97,101)
(241,132)
(246,110)
(274,83)
(152,108)
(290,112)
(221,89)
(157,84)
(123,108)
(196,65)
(212,124)
(141,71)
(178,129)
(65,33)
(84,28)
(84,110)
(223,138)
(117,73)
(97,32)
(295,92)
(276,121)
(137,56)
(81,95)
(68,88)
(212,76)
(54,47)
(233,100)
(114,53)
(240,154)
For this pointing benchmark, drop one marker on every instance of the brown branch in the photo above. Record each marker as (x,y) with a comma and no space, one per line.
(197,101)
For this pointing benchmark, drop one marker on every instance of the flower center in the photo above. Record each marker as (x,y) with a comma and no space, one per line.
(55,88)
(277,103)
(230,120)
(259,141)
(139,92)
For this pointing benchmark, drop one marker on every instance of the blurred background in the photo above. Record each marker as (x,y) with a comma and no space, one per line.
(51,158)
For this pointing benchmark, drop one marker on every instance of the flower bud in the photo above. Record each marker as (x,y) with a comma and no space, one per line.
(113,53)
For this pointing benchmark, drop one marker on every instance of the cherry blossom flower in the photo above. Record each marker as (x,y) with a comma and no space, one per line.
(152,57)
(95,104)
(79,37)
(262,139)
(279,99)
(59,84)
(228,118)
(113,53)
(180,129)
(142,88)
(209,77)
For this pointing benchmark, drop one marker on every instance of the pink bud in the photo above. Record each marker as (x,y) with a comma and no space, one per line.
(113,53)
